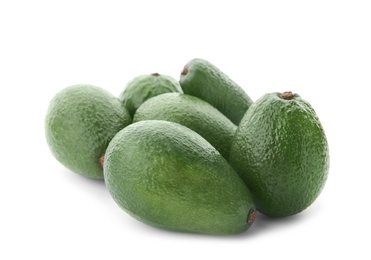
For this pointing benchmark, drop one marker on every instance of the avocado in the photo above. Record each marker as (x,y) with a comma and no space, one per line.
(143,87)
(166,175)
(204,80)
(80,122)
(280,150)
(193,113)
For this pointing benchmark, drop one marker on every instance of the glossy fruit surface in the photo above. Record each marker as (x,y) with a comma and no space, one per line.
(280,150)
(204,80)
(168,176)
(193,113)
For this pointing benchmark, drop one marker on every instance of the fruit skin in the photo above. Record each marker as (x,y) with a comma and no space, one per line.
(144,87)
(280,150)
(202,79)
(193,113)
(80,122)
(166,175)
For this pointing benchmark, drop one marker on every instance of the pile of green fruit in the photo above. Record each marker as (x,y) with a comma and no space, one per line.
(195,155)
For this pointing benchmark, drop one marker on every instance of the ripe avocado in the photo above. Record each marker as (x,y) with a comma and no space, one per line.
(80,122)
(144,87)
(280,150)
(193,113)
(166,175)
(202,79)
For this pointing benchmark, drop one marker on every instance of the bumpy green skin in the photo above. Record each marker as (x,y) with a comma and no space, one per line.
(202,79)
(281,152)
(168,176)
(144,87)
(193,113)
(80,122)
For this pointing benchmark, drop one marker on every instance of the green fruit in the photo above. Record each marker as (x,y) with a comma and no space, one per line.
(202,79)
(280,150)
(144,87)
(193,113)
(80,122)
(166,175)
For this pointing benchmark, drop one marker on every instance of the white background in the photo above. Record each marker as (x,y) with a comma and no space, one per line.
(318,49)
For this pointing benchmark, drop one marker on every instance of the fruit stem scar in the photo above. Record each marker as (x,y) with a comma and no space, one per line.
(184,71)
(251,216)
(155,74)
(287,95)
(101,160)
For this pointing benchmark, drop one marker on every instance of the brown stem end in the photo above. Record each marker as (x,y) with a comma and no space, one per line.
(155,74)
(287,95)
(184,71)
(251,216)
(101,160)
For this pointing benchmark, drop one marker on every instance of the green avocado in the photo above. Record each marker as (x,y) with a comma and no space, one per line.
(281,152)
(143,87)
(202,79)
(166,175)
(80,122)
(193,113)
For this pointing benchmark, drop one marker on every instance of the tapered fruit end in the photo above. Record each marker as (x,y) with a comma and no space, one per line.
(251,217)
(155,74)
(287,95)
(184,71)
(101,160)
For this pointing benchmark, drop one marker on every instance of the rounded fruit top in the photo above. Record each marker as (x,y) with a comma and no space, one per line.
(143,87)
